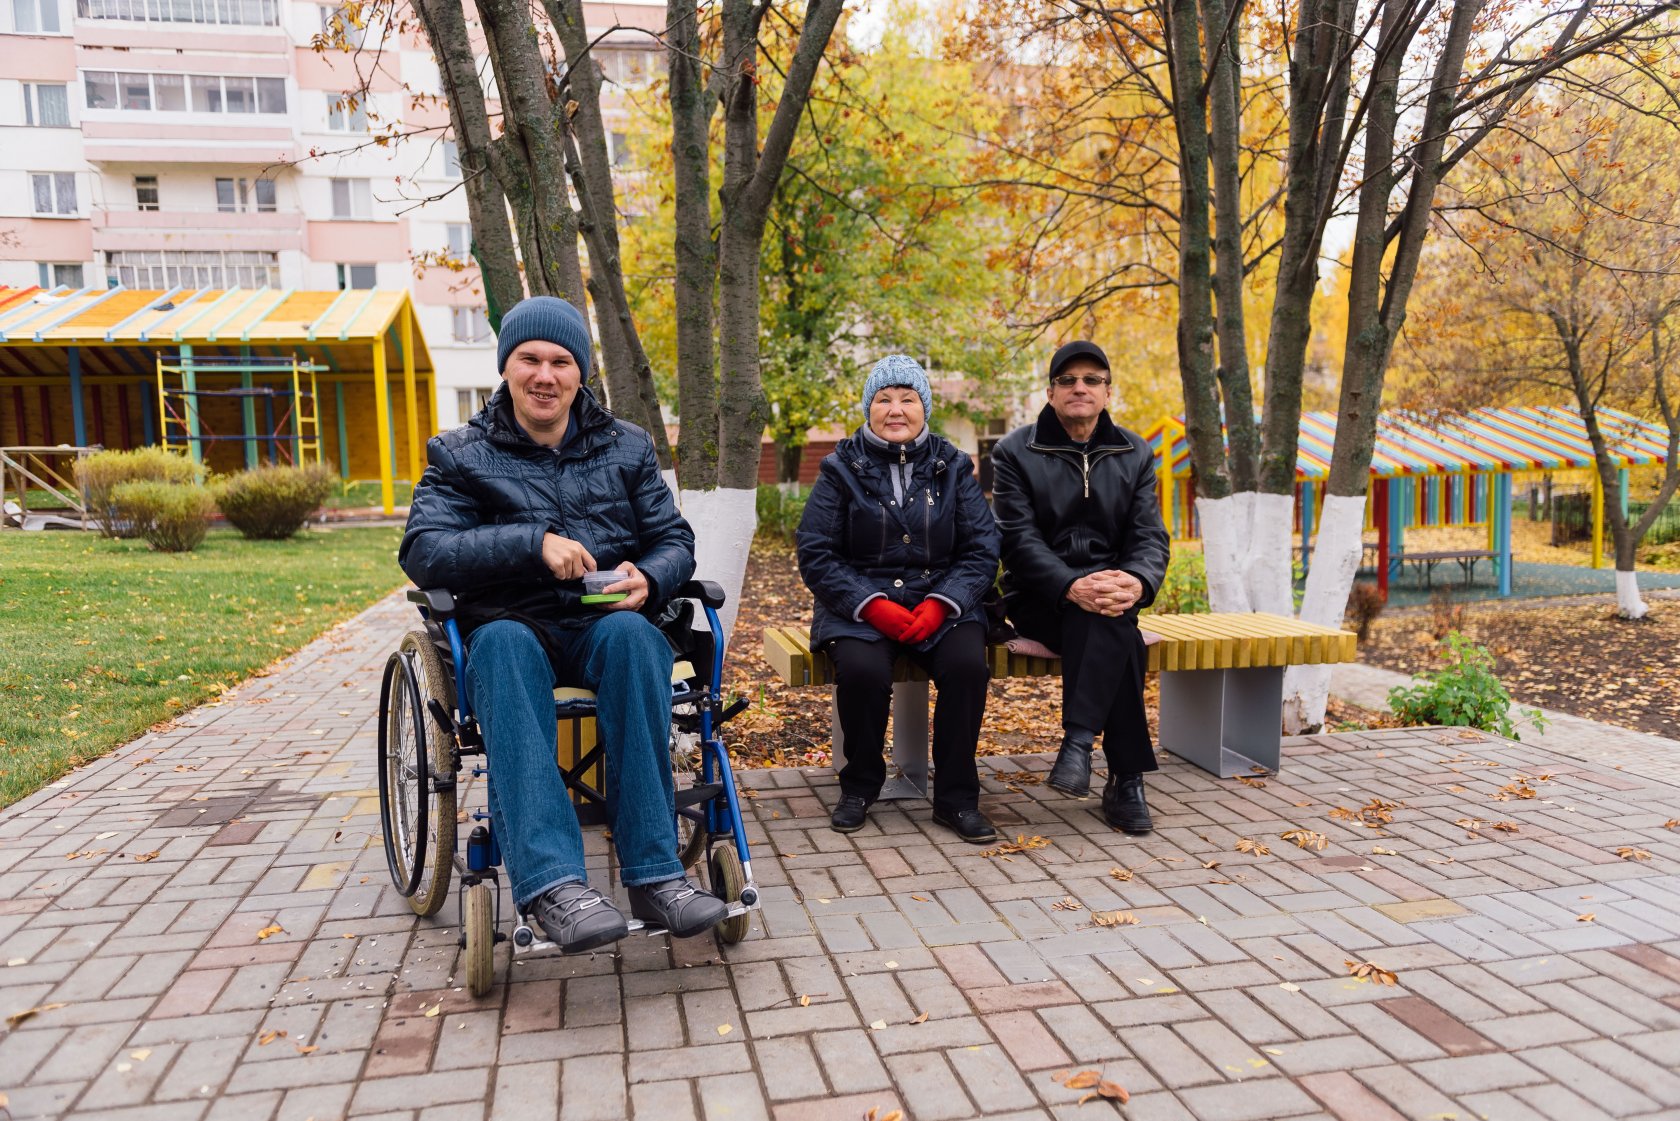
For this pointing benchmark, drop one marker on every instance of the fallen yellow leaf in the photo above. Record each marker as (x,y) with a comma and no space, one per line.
(725,1029)
(268,932)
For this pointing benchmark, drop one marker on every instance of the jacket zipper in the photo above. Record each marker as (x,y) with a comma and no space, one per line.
(1085,469)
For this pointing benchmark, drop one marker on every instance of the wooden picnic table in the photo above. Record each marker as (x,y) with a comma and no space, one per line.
(1465,558)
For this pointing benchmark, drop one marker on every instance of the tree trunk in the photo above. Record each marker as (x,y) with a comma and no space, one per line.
(696,251)
(629,374)
(1376,311)
(498,262)
(789,458)
(726,515)
(534,175)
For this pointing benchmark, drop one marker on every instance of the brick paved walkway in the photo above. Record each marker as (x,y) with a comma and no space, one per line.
(134,897)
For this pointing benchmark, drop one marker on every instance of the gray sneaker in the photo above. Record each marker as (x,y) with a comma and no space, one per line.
(678,906)
(578,918)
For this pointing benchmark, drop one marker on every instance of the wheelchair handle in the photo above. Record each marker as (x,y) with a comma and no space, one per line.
(708,592)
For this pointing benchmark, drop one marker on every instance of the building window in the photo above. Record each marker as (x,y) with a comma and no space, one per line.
(356,276)
(46,106)
(470,324)
(168,92)
(352,198)
(54,192)
(238,196)
(451,160)
(337,21)
(470,401)
(35,16)
(52,274)
(249,13)
(459,237)
(150,268)
(629,67)
(145,192)
(618,148)
(347,112)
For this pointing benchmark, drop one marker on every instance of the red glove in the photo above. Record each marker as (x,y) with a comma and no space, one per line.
(887,617)
(927,617)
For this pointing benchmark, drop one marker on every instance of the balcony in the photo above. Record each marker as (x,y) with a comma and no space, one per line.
(195,228)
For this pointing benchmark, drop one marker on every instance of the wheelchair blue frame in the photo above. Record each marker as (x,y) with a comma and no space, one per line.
(714,758)
(711,804)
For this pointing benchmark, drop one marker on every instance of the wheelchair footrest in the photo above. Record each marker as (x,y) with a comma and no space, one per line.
(698,794)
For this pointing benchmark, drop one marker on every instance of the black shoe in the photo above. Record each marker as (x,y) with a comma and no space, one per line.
(970,825)
(1123,805)
(849,813)
(1072,771)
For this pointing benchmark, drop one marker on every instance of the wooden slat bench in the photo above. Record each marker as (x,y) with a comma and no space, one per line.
(1221,687)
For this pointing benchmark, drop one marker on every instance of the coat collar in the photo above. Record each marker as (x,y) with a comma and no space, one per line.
(1049,433)
(496,419)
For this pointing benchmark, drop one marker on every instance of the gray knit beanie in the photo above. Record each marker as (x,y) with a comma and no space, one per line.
(546,319)
(898,369)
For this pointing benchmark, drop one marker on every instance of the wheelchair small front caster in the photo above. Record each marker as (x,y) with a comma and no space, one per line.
(481,938)
(523,936)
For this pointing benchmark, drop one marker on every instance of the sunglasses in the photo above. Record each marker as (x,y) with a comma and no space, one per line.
(1067,380)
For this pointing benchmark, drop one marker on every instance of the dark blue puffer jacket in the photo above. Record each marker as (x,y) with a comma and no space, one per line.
(490,493)
(856,540)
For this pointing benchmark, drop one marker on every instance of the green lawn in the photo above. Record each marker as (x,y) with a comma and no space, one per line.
(101,639)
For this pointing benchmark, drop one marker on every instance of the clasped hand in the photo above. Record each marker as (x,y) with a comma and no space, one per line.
(1108,592)
(569,560)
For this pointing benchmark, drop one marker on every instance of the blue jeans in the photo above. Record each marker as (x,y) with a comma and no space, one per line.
(511,686)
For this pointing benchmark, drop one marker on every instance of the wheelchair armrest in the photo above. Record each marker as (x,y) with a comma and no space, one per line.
(706,591)
(439,602)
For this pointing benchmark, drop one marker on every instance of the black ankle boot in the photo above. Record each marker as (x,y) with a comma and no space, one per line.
(1072,771)
(1123,805)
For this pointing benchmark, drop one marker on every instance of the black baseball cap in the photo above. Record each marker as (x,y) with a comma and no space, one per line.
(1080,348)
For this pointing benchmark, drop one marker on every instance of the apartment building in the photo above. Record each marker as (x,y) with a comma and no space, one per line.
(155,143)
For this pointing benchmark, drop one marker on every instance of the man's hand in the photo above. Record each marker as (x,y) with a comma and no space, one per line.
(1108,592)
(568,559)
(634,584)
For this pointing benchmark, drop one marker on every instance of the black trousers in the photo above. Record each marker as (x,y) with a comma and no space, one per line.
(863,681)
(1103,663)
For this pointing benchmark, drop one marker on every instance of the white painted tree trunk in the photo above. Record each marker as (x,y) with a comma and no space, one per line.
(724,522)
(1335,561)
(1628,602)
(670,477)
(1245,546)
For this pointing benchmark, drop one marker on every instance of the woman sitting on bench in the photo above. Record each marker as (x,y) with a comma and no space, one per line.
(898,546)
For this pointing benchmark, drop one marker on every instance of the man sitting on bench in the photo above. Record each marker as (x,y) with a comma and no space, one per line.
(1084,549)
(542,486)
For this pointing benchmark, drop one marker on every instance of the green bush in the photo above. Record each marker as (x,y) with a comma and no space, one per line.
(779,511)
(1463,693)
(272,503)
(1184,591)
(172,517)
(101,473)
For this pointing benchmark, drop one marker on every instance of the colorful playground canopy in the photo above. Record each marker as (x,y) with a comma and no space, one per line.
(1490,440)
(121,367)
(332,329)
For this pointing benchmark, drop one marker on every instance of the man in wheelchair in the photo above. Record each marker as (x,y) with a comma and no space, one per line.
(540,487)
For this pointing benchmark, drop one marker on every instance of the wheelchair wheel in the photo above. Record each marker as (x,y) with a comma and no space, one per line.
(418,820)
(481,937)
(727,879)
(691,835)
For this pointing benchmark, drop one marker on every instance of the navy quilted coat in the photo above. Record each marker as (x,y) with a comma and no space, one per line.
(856,540)
(490,493)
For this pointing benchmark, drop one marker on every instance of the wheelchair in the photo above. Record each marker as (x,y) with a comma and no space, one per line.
(429,738)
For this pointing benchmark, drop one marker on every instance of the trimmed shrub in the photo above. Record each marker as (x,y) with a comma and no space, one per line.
(1365,602)
(102,472)
(1462,693)
(272,503)
(779,510)
(172,517)
(1184,591)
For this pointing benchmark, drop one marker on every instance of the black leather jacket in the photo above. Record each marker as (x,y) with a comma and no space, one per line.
(1065,513)
(490,493)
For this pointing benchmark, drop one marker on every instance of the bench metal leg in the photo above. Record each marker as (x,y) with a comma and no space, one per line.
(909,749)
(1224,721)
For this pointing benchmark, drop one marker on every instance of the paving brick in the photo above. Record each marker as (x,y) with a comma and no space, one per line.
(667,1101)
(1433,1023)
(930,1089)
(592,1088)
(1248,1101)
(850,1060)
(1173,1062)
(1346,1098)
(789,1068)
(735,1097)
(527,1092)
(829,1108)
